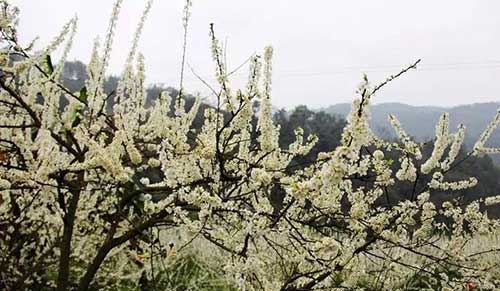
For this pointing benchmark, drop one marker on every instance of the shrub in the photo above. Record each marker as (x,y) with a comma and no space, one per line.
(79,209)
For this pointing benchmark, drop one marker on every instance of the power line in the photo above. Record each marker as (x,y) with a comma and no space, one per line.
(241,75)
(447,66)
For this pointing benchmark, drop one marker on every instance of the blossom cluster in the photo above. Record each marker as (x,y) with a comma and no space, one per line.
(96,196)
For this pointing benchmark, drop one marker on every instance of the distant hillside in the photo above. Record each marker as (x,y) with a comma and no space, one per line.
(420,121)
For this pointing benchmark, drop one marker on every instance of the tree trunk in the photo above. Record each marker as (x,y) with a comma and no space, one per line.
(65,248)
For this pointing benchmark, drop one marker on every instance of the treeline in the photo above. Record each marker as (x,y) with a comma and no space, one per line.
(329,128)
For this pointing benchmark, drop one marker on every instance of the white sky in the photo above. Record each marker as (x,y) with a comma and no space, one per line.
(321,47)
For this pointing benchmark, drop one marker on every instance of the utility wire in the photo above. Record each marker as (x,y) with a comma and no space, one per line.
(445,66)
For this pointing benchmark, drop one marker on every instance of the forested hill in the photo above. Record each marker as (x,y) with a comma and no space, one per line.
(328,127)
(420,121)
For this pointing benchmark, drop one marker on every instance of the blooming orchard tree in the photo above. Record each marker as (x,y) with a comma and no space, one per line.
(80,209)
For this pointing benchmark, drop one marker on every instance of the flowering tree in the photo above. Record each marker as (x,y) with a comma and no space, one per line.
(80,209)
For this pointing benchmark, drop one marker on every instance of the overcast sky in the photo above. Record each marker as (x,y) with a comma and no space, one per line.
(322,48)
